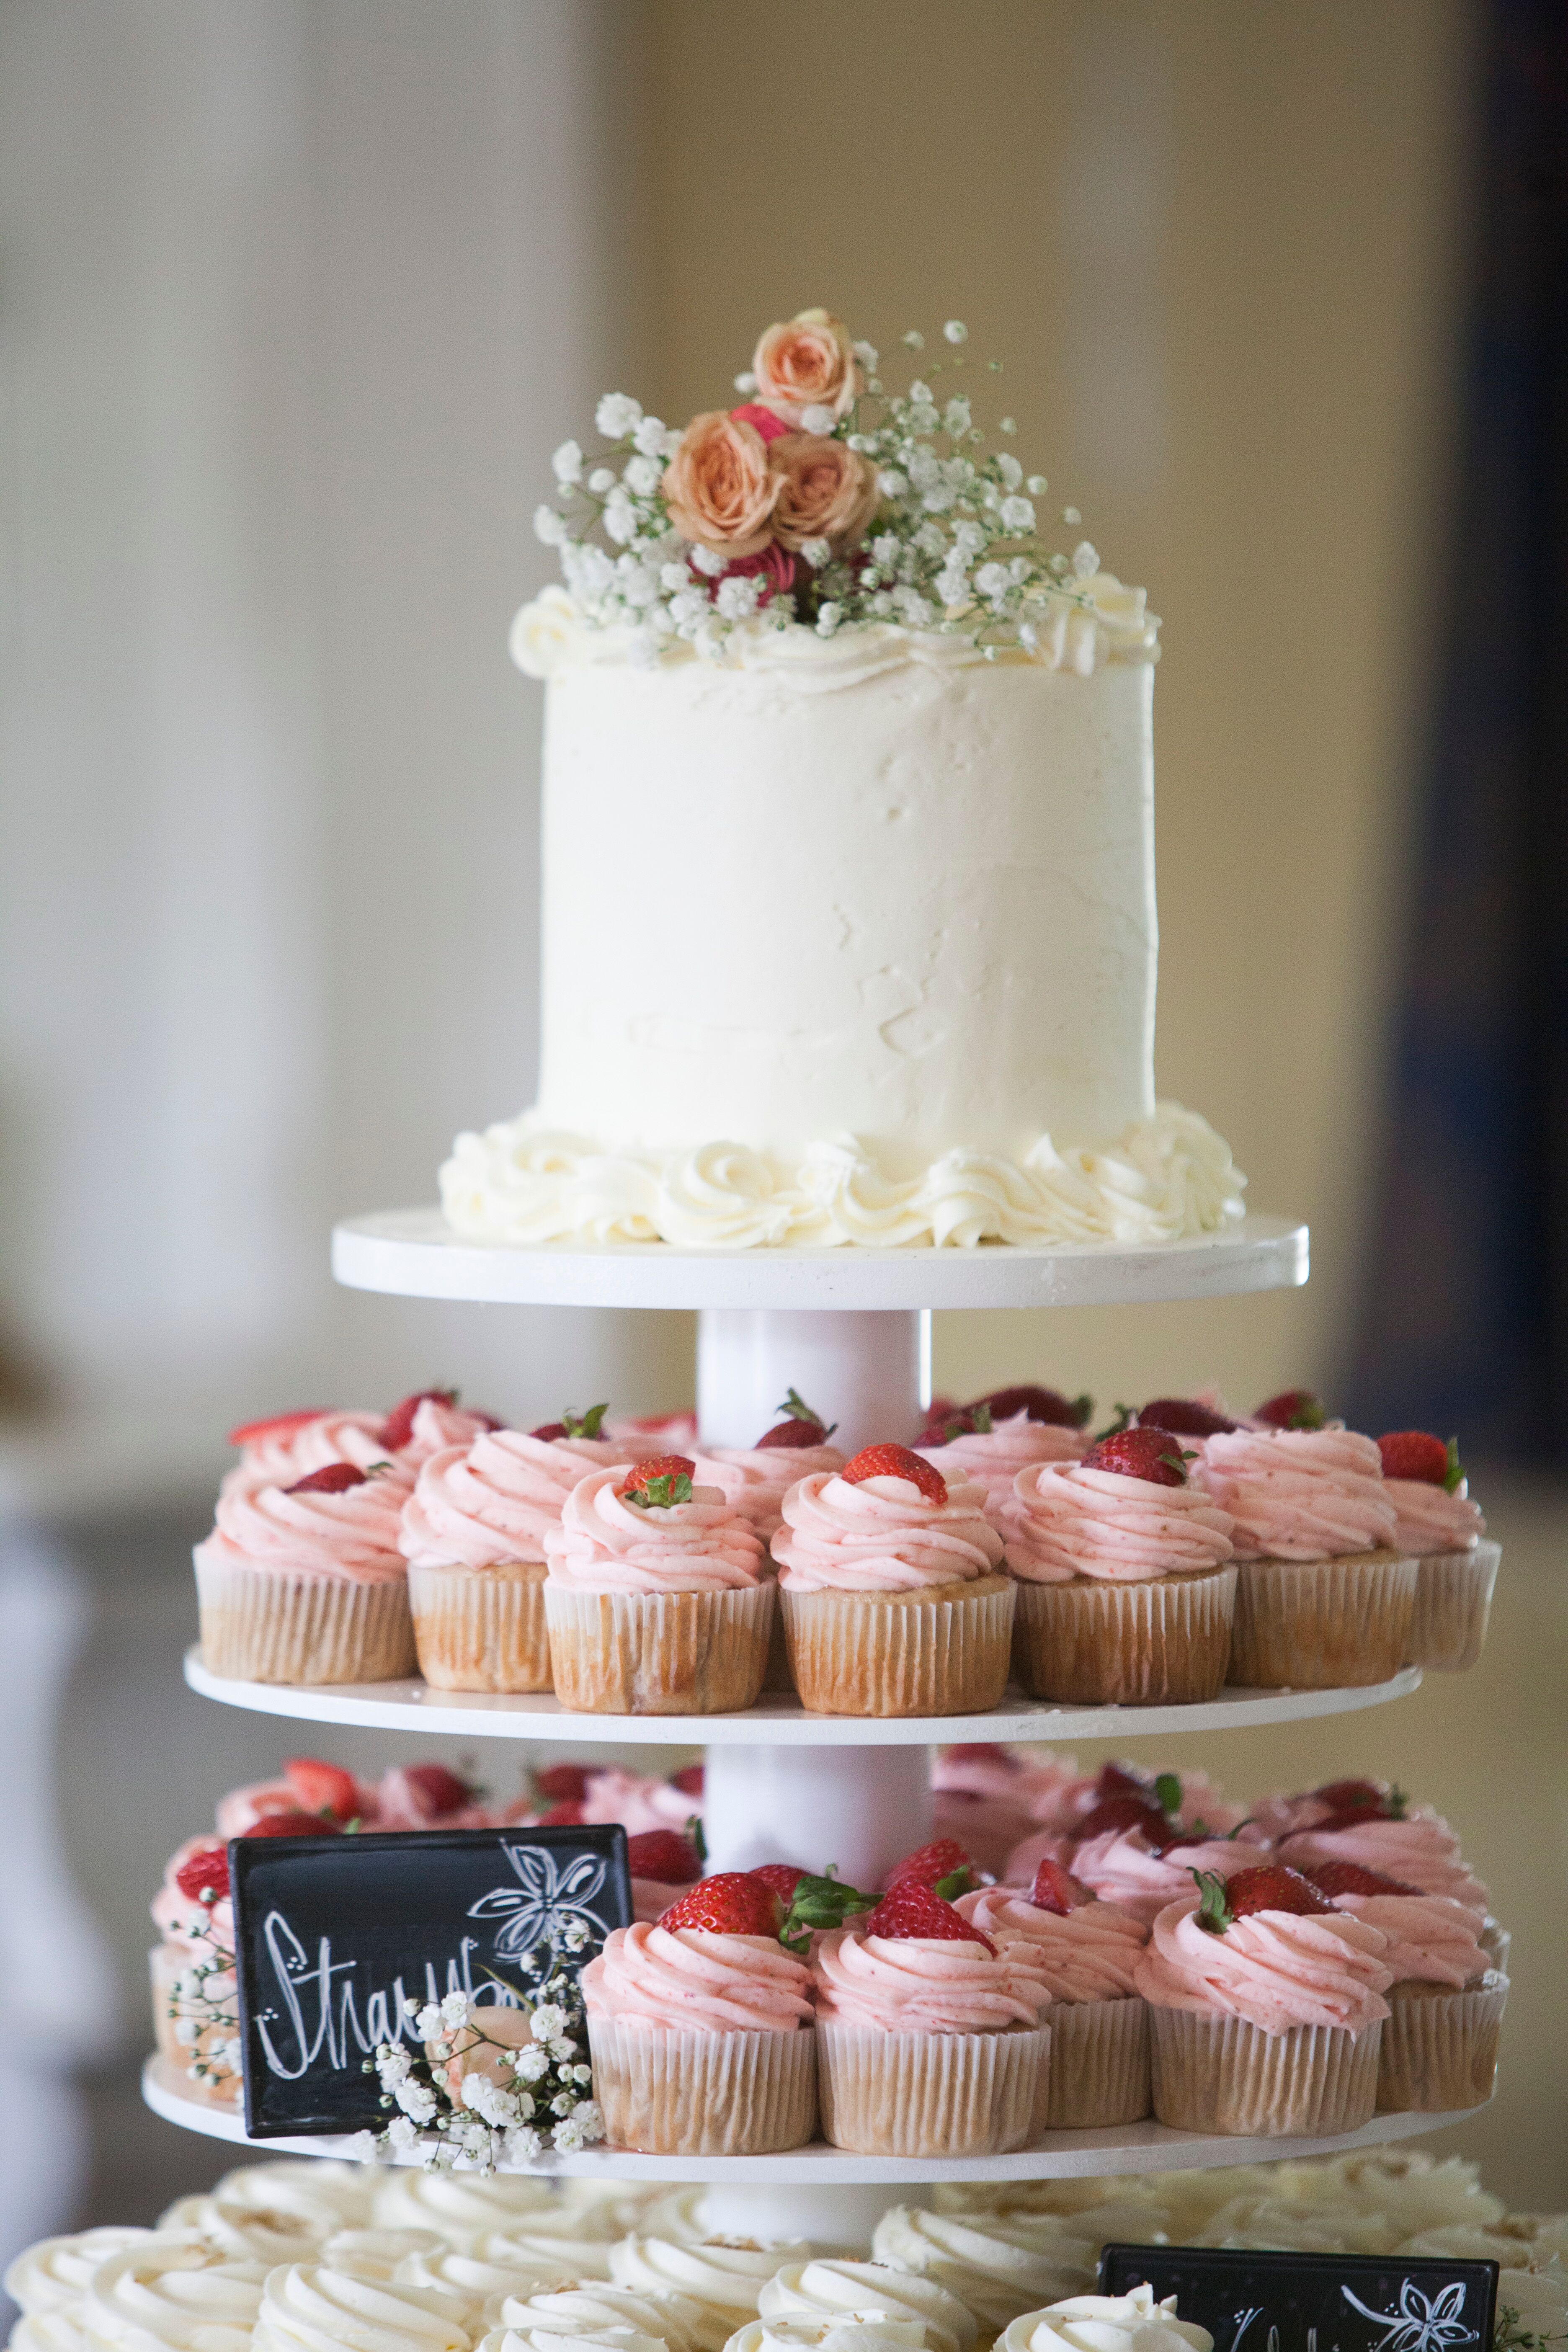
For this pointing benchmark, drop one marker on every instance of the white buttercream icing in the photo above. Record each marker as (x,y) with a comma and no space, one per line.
(1108,2323)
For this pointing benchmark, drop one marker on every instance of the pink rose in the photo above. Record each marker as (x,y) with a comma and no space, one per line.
(826,490)
(807,362)
(775,567)
(718,486)
(768,421)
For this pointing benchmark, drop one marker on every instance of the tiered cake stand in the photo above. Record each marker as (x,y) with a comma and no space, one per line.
(851,1331)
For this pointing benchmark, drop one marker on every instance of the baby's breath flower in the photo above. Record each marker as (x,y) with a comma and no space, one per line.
(1070,515)
(914,340)
(708,559)
(956,331)
(817,552)
(616,416)
(567,464)
(1017,515)
(601,481)
(828,617)
(1008,424)
(548,528)
(745,380)
(1085,560)
(648,439)
(817,419)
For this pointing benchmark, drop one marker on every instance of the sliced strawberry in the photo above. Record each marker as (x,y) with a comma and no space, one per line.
(1047,1405)
(290,1825)
(322,1788)
(1056,1890)
(398,1427)
(1264,1887)
(895,1461)
(566,1815)
(1331,1878)
(275,1424)
(1352,1796)
(1416,1453)
(688,1780)
(438,1788)
(663,1854)
(336,1478)
(558,1781)
(1148,1454)
(1127,1810)
(911,1910)
(660,1484)
(731,1903)
(1183,1418)
(1292,1409)
(943,1858)
(204,1877)
(782,1877)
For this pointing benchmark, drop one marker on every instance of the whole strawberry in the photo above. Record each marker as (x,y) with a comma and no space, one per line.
(910,1911)
(1416,1453)
(204,1877)
(335,1478)
(731,1903)
(1292,1409)
(1046,1405)
(688,1780)
(665,1856)
(1147,1453)
(783,1877)
(895,1461)
(799,1428)
(942,1864)
(290,1825)
(660,1485)
(1331,1878)
(398,1427)
(437,1790)
(1182,1417)
(322,1788)
(1056,1890)
(1265,1886)
(560,1781)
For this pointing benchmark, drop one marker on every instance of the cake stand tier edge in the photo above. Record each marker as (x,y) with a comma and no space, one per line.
(1131,2147)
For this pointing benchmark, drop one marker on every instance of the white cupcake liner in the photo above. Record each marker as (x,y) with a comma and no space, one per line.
(1214,2074)
(269,1625)
(1439,2047)
(929,2093)
(658,1653)
(166,1966)
(1321,1625)
(944,1652)
(1162,1640)
(481,1628)
(1496,1941)
(1099,2071)
(689,2094)
(1453,1603)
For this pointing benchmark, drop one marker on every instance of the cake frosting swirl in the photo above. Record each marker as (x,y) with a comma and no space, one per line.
(1123,1868)
(1421,1849)
(882,1535)
(672,2317)
(1431,1519)
(173,2293)
(992,1459)
(999,2264)
(919,1984)
(723,2276)
(1275,1969)
(1431,1938)
(1069,1520)
(828,2288)
(674,1979)
(495,1497)
(1107,2322)
(278,1452)
(316,2307)
(1299,1493)
(607,1544)
(756,1478)
(1090,1954)
(353,1534)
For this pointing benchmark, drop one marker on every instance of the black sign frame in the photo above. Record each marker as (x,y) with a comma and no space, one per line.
(1253,2302)
(417,1913)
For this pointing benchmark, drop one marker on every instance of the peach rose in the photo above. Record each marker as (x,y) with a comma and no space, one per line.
(826,490)
(807,362)
(718,486)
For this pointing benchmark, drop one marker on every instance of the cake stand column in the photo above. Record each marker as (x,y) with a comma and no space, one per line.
(859,1808)
(840,2217)
(869,1372)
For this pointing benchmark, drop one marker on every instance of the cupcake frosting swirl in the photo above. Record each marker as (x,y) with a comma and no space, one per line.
(292,1448)
(1274,1968)
(722,2278)
(1422,1850)
(1123,1868)
(1088,1956)
(990,1459)
(1067,1520)
(755,1479)
(328,2195)
(1107,2322)
(998,2265)
(674,2318)
(606,1544)
(194,1928)
(882,1535)
(1431,1938)
(173,2293)
(376,2254)
(55,2273)
(1299,1494)
(437,1425)
(919,1984)
(461,2207)
(496,1497)
(1430,1519)
(353,1535)
(315,2307)
(827,2289)
(684,1980)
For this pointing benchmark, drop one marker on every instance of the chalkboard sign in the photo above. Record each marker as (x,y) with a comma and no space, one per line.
(334,1933)
(1315,2303)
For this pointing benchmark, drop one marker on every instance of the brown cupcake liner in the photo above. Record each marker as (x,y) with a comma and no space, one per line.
(268,1625)
(481,1628)
(1439,2048)
(689,2094)
(1453,1603)
(167,1963)
(929,2093)
(1212,2074)
(1099,2071)
(943,1651)
(1321,1625)
(658,1653)
(1161,1642)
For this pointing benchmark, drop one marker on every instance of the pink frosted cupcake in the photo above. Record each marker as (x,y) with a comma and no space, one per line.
(1324,1596)
(307,1583)
(656,1598)
(1083,1954)
(1142,1875)
(756,1478)
(473,1536)
(1265,2008)
(639,1437)
(286,1446)
(893,1597)
(989,1453)
(1125,1590)
(196,2012)
(700,2028)
(664,1867)
(1418,1847)
(1439,2047)
(1456,1565)
(928,2037)
(980,1795)
(427,1422)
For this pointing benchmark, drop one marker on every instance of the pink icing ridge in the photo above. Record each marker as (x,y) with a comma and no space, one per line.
(1274,1968)
(1122,1868)
(1431,1519)
(755,1479)
(651,1899)
(1299,1493)
(638,1800)
(1431,1937)
(669,1980)
(277,1460)
(436,1426)
(1042,1845)
(643,1438)
(1071,1522)
(918,1984)
(987,1828)
(352,1535)
(1088,1956)
(1422,1850)
(606,1544)
(242,1808)
(881,1534)
(495,1496)
(993,1460)
(187,1924)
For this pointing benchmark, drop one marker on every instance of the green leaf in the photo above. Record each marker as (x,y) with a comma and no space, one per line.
(795,1408)
(1397,1803)
(1082,1410)
(1309,1414)
(1168,1792)
(1454,1475)
(1215,1914)
(699,1843)
(821,1903)
(979,1415)
(1124,1420)
(955,1883)
(662,1492)
(586,1424)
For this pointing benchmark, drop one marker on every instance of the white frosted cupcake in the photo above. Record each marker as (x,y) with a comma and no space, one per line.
(1107,2322)
(307,1583)
(671,2318)
(306,2306)
(174,2291)
(723,2276)
(324,2194)
(830,2288)
(460,2207)
(998,2265)
(1456,1565)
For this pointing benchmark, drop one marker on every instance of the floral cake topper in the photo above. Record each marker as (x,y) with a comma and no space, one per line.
(824,499)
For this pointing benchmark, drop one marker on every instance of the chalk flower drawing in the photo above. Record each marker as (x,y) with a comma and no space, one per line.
(551,1905)
(1420,2324)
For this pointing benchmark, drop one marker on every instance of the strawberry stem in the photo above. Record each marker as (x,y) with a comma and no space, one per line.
(795,1408)
(1453,1476)
(820,1903)
(1215,1914)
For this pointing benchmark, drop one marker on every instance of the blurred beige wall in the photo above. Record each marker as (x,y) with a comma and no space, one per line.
(1215,244)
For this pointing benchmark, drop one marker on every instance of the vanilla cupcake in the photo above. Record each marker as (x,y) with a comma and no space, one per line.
(893,1599)
(1418,1846)
(929,2040)
(1125,1589)
(1123,1868)
(673,2319)
(324,2194)
(1456,1565)
(845,2331)
(1107,2322)
(989,1453)
(307,1583)
(700,2028)
(473,1535)
(489,2267)
(460,2207)
(828,2288)
(1439,2046)
(48,2281)
(756,1478)
(176,2290)
(195,2010)
(997,2265)
(723,2276)
(1082,1954)
(286,1446)
(376,2254)
(1265,2008)
(309,2307)
(1324,1597)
